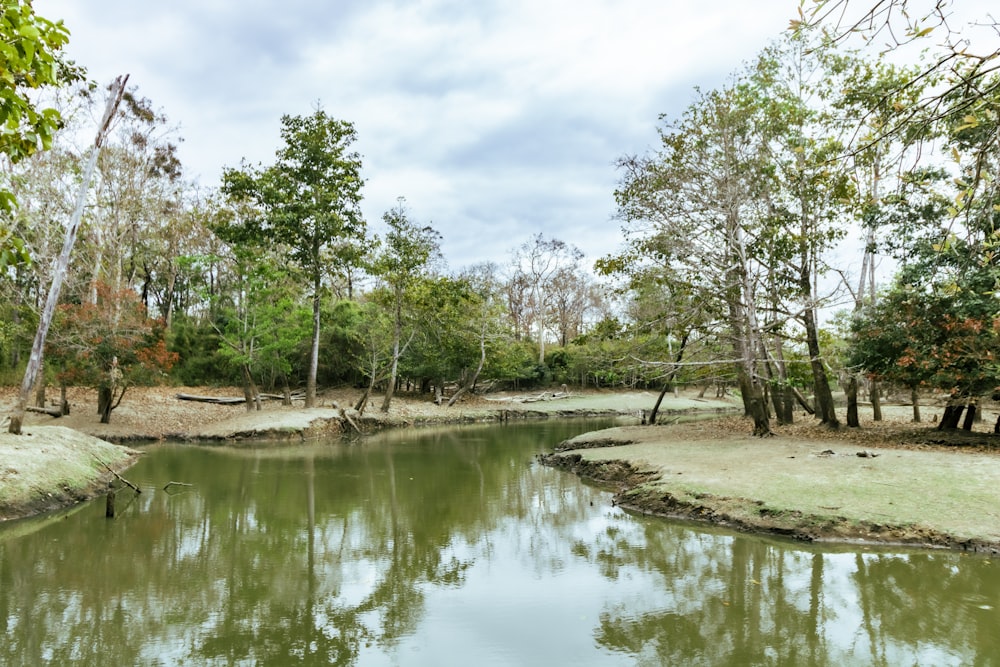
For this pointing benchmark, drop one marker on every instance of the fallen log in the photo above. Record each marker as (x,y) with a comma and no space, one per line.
(545,396)
(52,412)
(220,400)
(346,417)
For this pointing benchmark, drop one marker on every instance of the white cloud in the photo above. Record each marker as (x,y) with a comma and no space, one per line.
(495,119)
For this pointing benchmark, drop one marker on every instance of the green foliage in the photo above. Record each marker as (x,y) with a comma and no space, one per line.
(306,206)
(307,203)
(934,328)
(196,345)
(30,58)
(341,345)
(446,335)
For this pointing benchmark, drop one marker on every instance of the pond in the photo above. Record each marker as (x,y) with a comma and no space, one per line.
(453,547)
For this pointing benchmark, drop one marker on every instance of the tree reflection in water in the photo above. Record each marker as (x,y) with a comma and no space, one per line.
(452,547)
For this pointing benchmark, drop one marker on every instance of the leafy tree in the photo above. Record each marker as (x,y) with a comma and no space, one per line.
(933,330)
(306,205)
(961,69)
(341,323)
(696,207)
(261,324)
(406,254)
(451,336)
(138,200)
(109,345)
(30,59)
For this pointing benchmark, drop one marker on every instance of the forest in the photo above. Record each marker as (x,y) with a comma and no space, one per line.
(730,275)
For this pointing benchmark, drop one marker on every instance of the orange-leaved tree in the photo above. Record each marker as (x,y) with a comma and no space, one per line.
(109,345)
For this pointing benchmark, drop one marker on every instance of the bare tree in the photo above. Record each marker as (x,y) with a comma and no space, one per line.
(538,261)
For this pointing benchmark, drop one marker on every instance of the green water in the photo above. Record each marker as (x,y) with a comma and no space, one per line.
(452,547)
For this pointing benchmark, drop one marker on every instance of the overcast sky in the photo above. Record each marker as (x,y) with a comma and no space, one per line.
(495,119)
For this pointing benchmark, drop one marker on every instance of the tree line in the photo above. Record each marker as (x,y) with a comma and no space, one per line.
(730,263)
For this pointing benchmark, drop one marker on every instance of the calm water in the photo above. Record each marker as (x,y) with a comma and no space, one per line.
(453,547)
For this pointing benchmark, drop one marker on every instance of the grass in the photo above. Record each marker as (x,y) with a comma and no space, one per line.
(49,467)
(784,482)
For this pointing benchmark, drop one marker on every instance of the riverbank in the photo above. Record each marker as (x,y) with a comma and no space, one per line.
(51,467)
(887,483)
(57,463)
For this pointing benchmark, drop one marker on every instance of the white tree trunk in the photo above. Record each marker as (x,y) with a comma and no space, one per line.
(62,264)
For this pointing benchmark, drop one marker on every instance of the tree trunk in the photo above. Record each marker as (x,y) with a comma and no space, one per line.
(394,368)
(970,415)
(471,382)
(363,401)
(915,400)
(314,349)
(670,378)
(105,396)
(852,403)
(758,411)
(876,397)
(40,388)
(250,391)
(951,416)
(745,391)
(62,264)
(802,401)
(659,399)
(825,408)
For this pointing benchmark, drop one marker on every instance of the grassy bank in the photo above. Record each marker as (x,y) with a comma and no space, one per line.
(839,486)
(50,467)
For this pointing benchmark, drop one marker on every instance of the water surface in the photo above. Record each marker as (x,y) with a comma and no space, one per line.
(452,547)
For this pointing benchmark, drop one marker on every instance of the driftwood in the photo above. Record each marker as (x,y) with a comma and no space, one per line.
(221,400)
(546,396)
(346,417)
(52,412)
(169,484)
(231,400)
(120,478)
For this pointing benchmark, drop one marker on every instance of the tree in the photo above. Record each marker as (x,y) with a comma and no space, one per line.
(138,199)
(406,254)
(260,322)
(306,205)
(696,206)
(961,70)
(37,349)
(109,345)
(535,263)
(934,331)
(804,211)
(30,59)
